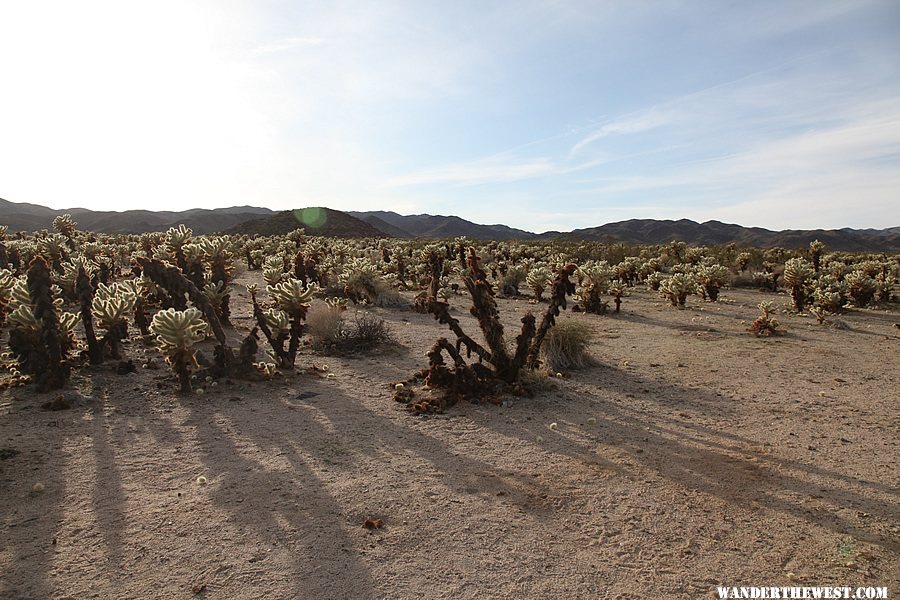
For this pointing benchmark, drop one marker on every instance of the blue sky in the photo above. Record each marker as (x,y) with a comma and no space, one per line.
(537,114)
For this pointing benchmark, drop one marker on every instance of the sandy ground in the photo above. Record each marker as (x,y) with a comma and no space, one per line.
(716,459)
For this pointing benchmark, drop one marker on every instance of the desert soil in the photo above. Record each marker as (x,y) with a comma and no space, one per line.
(716,458)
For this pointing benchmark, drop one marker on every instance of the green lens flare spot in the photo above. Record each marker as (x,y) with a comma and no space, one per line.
(311,217)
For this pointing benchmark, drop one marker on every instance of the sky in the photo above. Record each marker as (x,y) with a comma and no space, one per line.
(538,114)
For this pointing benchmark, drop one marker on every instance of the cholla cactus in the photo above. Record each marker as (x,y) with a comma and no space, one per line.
(111,306)
(594,277)
(538,278)
(654,279)
(860,287)
(445,292)
(54,247)
(37,339)
(217,293)
(884,284)
(279,323)
(291,296)
(797,273)
(710,278)
(815,253)
(69,275)
(65,225)
(218,258)
(617,289)
(819,313)
(292,300)
(176,333)
(765,324)
(829,294)
(7,281)
(677,287)
(176,239)
(273,270)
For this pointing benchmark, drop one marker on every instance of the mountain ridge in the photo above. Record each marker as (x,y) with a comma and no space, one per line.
(250,219)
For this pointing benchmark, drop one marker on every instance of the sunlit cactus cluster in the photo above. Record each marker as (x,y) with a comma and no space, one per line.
(69,297)
(177,332)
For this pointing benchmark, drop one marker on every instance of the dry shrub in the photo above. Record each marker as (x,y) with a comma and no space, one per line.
(388,297)
(331,331)
(366,331)
(324,323)
(565,347)
(745,280)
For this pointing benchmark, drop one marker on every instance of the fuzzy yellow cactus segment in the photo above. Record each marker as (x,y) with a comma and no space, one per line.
(273,275)
(595,273)
(70,273)
(176,333)
(112,303)
(278,322)
(797,273)
(177,237)
(23,316)
(65,225)
(54,245)
(677,287)
(193,253)
(291,295)
(213,247)
(112,311)
(765,324)
(215,291)
(7,281)
(178,330)
(538,278)
(67,323)
(21,309)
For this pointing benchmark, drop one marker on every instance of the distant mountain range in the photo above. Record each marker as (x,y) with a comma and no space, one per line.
(315,220)
(328,222)
(33,217)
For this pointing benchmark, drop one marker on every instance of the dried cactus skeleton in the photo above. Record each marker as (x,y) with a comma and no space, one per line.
(495,369)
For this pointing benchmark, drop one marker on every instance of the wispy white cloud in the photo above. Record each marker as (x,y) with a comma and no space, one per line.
(636,123)
(477,173)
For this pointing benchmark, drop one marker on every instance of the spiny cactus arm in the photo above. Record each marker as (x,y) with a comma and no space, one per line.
(85,293)
(276,343)
(39,282)
(562,286)
(441,310)
(291,295)
(177,332)
(178,329)
(523,342)
(484,308)
(175,283)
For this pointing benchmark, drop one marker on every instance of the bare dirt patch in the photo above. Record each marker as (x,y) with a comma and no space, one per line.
(693,455)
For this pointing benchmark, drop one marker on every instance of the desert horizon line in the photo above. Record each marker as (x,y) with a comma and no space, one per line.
(450,215)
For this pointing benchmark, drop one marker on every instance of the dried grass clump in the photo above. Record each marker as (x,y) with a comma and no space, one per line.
(565,347)
(367,331)
(332,332)
(324,323)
